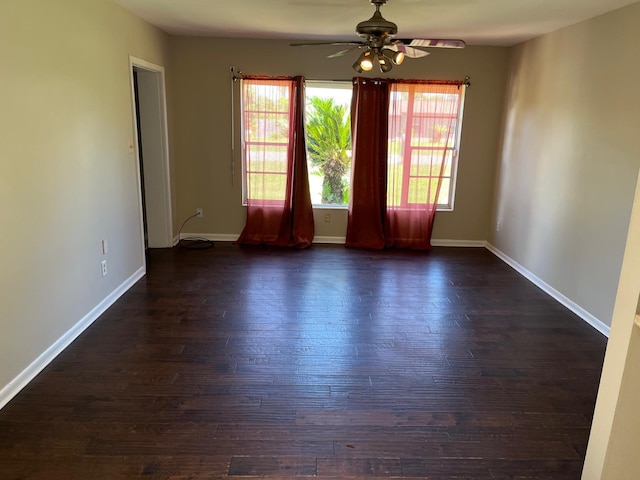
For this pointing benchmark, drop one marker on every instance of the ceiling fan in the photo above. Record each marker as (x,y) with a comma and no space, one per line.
(381,47)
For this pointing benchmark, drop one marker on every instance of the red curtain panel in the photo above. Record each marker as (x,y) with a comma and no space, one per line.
(422,122)
(367,203)
(279,210)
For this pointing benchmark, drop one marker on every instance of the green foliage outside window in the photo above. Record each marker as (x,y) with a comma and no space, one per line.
(329,147)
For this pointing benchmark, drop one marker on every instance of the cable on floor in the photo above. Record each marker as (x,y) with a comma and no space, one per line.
(193,243)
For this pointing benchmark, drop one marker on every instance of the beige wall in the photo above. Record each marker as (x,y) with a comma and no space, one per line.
(200,111)
(564,193)
(67,180)
(570,157)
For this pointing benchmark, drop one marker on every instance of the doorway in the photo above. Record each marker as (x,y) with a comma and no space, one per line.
(151,149)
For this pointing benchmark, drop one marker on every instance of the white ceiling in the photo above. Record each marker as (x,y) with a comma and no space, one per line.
(479,22)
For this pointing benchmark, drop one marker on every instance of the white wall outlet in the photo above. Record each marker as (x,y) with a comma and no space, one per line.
(103,264)
(327,218)
(199,213)
(105,247)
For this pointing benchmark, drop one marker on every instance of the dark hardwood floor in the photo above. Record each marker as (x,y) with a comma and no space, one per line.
(327,362)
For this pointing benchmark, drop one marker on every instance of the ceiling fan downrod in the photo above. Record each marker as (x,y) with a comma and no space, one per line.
(377,26)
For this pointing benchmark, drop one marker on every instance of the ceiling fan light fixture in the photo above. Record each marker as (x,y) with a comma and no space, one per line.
(397,57)
(365,62)
(385,64)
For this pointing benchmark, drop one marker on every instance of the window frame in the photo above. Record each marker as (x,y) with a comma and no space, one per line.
(454,149)
(455,156)
(244,151)
(348,85)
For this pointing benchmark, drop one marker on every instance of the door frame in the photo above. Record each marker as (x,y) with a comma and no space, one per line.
(162,170)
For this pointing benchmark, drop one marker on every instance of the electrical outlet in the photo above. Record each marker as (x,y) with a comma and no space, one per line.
(199,213)
(327,218)
(103,263)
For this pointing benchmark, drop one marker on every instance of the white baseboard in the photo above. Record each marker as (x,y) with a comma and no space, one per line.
(331,240)
(434,242)
(224,237)
(567,302)
(28,374)
(214,237)
(442,242)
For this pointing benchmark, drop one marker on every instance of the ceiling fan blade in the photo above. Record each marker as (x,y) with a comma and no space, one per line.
(434,43)
(314,44)
(412,52)
(342,52)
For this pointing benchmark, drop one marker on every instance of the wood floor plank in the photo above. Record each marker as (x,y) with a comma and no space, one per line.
(360,467)
(284,466)
(331,363)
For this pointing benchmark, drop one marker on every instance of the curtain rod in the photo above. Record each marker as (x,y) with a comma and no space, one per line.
(237,75)
(466,82)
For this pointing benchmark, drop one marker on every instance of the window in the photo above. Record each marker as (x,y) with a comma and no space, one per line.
(424,132)
(421,137)
(328,126)
(265,125)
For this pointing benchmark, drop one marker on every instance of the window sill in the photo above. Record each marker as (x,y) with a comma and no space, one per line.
(330,207)
(345,207)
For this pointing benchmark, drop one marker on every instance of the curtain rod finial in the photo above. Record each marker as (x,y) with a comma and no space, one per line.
(235,74)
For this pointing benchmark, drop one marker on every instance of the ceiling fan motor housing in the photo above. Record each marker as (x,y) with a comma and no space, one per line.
(376,26)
